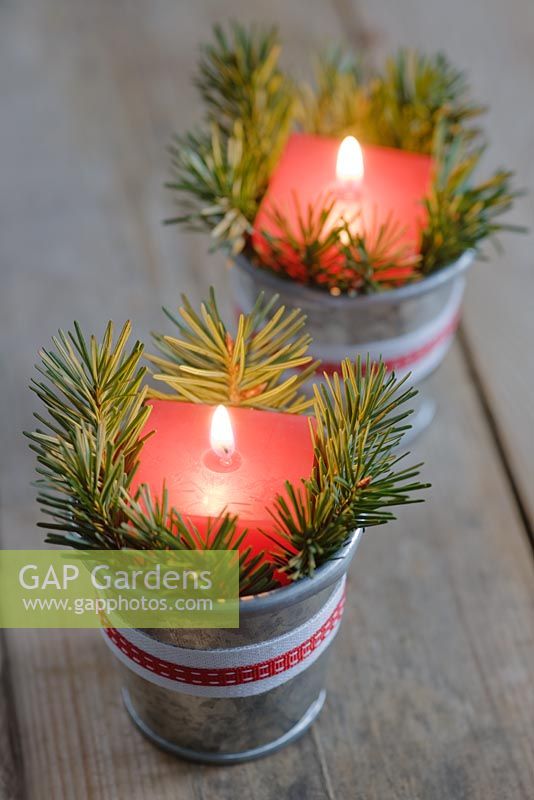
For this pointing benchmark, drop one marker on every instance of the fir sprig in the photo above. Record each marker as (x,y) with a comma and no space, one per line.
(338,103)
(206,364)
(340,253)
(462,213)
(359,419)
(153,524)
(377,257)
(416,94)
(239,78)
(401,107)
(307,250)
(88,453)
(89,445)
(220,176)
(218,184)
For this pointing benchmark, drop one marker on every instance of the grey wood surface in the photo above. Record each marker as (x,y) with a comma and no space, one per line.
(494,42)
(431,691)
(11,769)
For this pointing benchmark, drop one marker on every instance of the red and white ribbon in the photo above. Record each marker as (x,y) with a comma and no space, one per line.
(230,672)
(418,352)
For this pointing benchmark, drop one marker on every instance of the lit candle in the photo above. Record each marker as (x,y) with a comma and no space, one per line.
(215,460)
(347,189)
(350,167)
(222,439)
(377,182)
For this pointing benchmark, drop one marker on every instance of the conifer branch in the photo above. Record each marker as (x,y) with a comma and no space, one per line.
(337,253)
(89,445)
(337,104)
(207,364)
(414,96)
(154,525)
(220,176)
(218,184)
(460,212)
(359,419)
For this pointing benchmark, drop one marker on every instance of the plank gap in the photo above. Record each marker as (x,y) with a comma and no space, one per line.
(323,764)
(12,784)
(12,781)
(495,434)
(350,18)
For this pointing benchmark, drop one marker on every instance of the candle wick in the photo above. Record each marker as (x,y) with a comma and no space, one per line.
(226,459)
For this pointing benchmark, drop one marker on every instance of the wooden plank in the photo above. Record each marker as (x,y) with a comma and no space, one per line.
(440,632)
(492,42)
(430,686)
(98,92)
(11,776)
(11,768)
(430,694)
(101,88)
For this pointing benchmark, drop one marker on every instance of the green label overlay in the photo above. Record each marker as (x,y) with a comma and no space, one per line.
(119,588)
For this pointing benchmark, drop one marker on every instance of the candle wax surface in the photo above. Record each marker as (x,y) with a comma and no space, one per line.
(394,182)
(270,449)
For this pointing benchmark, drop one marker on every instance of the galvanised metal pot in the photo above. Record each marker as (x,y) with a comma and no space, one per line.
(411,328)
(229,695)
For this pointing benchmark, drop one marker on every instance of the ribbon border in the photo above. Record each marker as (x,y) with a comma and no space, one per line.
(230,672)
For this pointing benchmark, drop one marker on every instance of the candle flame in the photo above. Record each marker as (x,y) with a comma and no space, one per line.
(349,166)
(222,435)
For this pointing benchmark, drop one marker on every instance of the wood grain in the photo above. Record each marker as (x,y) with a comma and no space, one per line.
(11,774)
(431,691)
(11,766)
(493,42)
(441,633)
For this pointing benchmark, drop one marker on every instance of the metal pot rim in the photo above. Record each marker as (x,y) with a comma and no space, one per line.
(312,295)
(327,574)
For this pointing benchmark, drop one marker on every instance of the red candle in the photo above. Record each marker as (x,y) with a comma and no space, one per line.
(213,460)
(371,183)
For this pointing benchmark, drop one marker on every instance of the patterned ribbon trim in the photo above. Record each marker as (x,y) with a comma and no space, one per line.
(230,672)
(407,360)
(419,351)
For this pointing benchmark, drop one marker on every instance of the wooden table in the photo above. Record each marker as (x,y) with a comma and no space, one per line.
(431,691)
